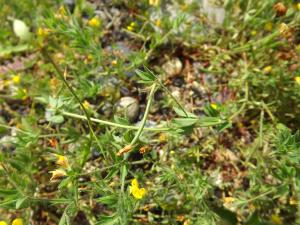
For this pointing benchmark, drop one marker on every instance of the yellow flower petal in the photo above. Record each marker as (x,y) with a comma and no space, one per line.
(276,219)
(16,79)
(158,22)
(3,223)
(62,161)
(56,174)
(284,30)
(17,221)
(134,183)
(214,106)
(154,2)
(253,33)
(42,32)
(138,193)
(86,104)
(130,28)
(94,22)
(269,26)
(293,201)
(267,69)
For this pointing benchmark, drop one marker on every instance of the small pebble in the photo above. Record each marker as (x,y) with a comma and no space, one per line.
(128,107)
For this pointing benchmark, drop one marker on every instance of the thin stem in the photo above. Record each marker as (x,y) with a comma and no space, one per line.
(159,82)
(61,75)
(176,101)
(261,124)
(104,122)
(150,99)
(14,128)
(244,104)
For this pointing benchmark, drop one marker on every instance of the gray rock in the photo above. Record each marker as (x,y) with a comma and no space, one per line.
(172,67)
(70,4)
(128,107)
(214,13)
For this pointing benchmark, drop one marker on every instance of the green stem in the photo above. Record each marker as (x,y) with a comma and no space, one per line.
(244,104)
(150,99)
(104,122)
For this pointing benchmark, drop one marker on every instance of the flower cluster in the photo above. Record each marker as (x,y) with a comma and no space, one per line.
(135,190)
(131,26)
(63,162)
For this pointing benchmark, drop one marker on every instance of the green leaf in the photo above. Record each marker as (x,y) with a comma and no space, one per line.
(181,113)
(21,202)
(109,220)
(13,49)
(61,201)
(184,122)
(56,119)
(146,76)
(209,121)
(63,220)
(6,192)
(8,204)
(64,183)
(108,200)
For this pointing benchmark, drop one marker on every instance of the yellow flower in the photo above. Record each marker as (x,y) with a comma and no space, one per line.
(61,14)
(114,62)
(57,174)
(62,11)
(131,26)
(297,79)
(16,79)
(293,201)
(17,221)
(54,83)
(284,30)
(228,199)
(298,6)
(158,22)
(134,189)
(268,26)
(267,69)
(253,33)
(276,219)
(94,22)
(3,223)
(86,104)
(154,2)
(62,161)
(186,222)
(214,106)
(42,32)
(162,137)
